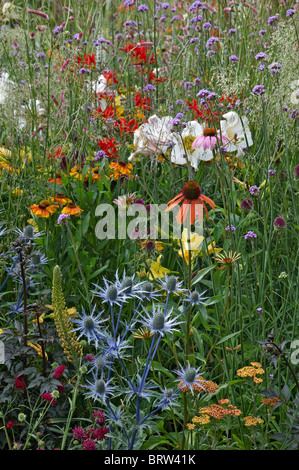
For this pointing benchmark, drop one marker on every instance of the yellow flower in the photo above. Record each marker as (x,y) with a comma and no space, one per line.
(156,270)
(33,223)
(190,245)
(211,249)
(38,349)
(71,311)
(18,192)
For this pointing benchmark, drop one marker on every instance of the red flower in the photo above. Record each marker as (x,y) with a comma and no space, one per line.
(58,372)
(139,54)
(9,424)
(99,434)
(79,434)
(48,397)
(99,417)
(19,383)
(109,147)
(125,126)
(89,445)
(143,103)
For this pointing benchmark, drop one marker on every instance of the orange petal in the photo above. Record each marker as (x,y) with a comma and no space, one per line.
(174,204)
(209,201)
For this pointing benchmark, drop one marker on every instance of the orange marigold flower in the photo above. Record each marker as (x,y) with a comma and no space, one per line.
(72,209)
(190,196)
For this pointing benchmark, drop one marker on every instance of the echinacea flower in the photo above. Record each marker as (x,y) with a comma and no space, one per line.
(190,196)
(183,148)
(207,142)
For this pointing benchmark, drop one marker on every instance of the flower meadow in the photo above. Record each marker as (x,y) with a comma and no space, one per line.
(120,333)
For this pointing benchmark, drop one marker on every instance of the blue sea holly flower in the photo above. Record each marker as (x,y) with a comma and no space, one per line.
(157,322)
(168,399)
(194,298)
(111,293)
(99,389)
(89,326)
(188,377)
(127,287)
(100,363)
(148,291)
(115,348)
(172,285)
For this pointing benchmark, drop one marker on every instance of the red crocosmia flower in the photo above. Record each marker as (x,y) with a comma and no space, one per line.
(107,113)
(153,78)
(9,424)
(128,127)
(110,77)
(58,372)
(143,103)
(109,147)
(48,397)
(139,54)
(56,155)
(190,196)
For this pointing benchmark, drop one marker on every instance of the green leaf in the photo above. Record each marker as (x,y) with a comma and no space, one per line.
(228,337)
(201,274)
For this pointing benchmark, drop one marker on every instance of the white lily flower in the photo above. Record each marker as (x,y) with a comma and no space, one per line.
(235,132)
(5,87)
(183,146)
(152,137)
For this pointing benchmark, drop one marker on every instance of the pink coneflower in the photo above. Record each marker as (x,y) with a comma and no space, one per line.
(209,139)
(125,201)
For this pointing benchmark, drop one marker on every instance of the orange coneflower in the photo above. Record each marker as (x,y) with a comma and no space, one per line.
(190,195)
(121,168)
(43,209)
(72,209)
